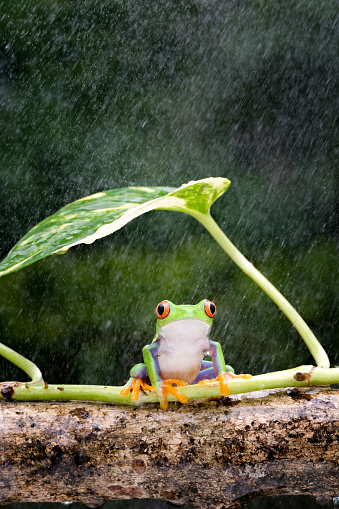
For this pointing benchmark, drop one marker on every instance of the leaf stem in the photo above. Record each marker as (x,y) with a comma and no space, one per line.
(305,332)
(26,365)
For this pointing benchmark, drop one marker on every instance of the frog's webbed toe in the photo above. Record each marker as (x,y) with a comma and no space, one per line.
(134,385)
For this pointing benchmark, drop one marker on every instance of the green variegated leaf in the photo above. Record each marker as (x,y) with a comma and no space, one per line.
(101,214)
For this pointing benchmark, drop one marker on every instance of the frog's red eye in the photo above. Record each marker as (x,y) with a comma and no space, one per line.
(163,309)
(210,308)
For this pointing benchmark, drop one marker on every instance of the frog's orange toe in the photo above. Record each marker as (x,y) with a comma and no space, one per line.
(125,390)
(164,403)
(233,375)
(222,379)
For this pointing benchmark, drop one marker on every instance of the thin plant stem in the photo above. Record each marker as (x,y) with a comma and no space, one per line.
(26,365)
(317,351)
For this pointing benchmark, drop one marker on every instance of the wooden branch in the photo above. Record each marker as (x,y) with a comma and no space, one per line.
(213,453)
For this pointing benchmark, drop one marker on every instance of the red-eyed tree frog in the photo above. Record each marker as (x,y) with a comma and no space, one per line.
(176,354)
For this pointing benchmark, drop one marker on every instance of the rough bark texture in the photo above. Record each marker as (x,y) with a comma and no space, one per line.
(212,453)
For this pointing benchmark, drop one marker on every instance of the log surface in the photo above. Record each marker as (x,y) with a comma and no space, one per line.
(212,453)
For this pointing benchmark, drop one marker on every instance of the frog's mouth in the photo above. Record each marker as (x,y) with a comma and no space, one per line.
(185,330)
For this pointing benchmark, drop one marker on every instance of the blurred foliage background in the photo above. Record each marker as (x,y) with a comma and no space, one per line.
(100,94)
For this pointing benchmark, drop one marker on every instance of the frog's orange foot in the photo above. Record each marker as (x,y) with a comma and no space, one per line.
(167,388)
(135,386)
(223,379)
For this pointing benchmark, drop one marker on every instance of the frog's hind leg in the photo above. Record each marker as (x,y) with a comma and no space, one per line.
(140,371)
(207,371)
(139,379)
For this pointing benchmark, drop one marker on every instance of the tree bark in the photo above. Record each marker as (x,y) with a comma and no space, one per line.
(220,452)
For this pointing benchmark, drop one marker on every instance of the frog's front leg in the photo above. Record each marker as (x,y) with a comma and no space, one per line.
(221,372)
(163,387)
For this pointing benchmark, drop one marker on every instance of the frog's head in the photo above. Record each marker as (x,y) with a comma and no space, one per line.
(167,312)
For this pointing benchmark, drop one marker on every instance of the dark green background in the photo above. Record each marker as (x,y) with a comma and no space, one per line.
(102,94)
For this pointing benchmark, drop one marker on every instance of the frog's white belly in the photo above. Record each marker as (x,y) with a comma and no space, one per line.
(182,346)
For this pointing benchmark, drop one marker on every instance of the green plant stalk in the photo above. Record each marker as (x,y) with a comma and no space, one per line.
(37,390)
(305,332)
(303,376)
(26,365)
